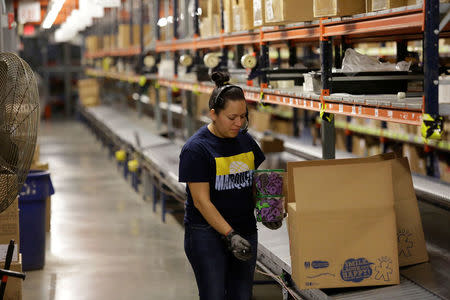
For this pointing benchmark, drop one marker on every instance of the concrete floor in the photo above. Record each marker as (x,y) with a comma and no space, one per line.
(105,241)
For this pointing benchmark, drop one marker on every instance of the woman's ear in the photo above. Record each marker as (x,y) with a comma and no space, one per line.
(212,114)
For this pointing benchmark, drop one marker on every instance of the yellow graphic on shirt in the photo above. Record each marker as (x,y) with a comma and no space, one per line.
(234,172)
(235,164)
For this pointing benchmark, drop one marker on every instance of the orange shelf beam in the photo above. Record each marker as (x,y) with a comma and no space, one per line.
(408,22)
(389,114)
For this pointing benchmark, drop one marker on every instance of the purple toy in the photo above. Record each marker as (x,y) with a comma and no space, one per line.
(270,209)
(268,182)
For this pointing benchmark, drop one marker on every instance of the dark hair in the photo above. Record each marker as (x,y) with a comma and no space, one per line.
(232,93)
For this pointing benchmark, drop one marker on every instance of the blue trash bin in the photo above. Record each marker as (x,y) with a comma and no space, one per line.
(32,204)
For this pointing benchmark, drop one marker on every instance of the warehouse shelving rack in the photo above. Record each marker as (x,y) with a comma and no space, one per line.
(400,24)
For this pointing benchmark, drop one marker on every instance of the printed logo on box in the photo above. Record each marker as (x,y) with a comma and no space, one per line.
(318,264)
(383,269)
(405,243)
(356,270)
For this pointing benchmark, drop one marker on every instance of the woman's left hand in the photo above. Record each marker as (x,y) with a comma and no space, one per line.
(273,225)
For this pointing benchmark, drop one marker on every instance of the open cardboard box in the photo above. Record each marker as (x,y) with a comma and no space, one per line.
(343,208)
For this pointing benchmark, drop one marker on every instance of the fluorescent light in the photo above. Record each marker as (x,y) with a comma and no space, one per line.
(56,6)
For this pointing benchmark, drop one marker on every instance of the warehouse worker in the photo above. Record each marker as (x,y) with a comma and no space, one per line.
(217,164)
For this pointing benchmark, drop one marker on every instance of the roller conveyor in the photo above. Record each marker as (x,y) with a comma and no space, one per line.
(424,281)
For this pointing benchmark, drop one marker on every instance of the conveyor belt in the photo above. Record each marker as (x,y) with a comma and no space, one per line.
(273,251)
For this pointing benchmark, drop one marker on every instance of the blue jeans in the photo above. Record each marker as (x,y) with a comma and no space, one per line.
(218,273)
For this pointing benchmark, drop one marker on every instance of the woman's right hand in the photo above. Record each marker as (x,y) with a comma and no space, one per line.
(239,246)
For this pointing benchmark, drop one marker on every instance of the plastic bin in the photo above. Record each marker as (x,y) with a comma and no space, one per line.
(32,203)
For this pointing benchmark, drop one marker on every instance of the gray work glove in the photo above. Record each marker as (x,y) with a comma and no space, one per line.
(273,225)
(239,246)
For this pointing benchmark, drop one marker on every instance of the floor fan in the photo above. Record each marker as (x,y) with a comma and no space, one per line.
(19,120)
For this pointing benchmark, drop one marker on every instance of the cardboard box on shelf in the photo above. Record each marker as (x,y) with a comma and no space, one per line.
(213,7)
(202,105)
(387,4)
(341,140)
(270,144)
(444,90)
(259,13)
(228,16)
(114,41)
(373,146)
(242,13)
(123,39)
(92,43)
(13,289)
(338,243)
(9,229)
(283,127)
(278,12)
(106,42)
(163,94)
(89,91)
(147,34)
(338,8)
(259,120)
(444,168)
(37,152)
(41,166)
(359,147)
(416,157)
(210,26)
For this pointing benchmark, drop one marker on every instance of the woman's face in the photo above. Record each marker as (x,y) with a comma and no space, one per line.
(230,120)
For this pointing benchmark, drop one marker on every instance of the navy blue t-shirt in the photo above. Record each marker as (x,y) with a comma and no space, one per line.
(228,165)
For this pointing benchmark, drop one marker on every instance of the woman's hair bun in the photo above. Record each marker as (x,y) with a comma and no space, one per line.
(220,78)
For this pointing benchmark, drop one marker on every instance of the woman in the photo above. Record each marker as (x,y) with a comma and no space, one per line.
(217,164)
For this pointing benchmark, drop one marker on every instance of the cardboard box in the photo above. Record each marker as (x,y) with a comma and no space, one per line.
(123,39)
(270,144)
(39,166)
(106,42)
(37,152)
(338,8)
(89,92)
(341,140)
(147,34)
(242,15)
(411,240)
(278,12)
(416,157)
(259,15)
(387,4)
(93,43)
(228,16)
(259,120)
(444,168)
(373,146)
(202,105)
(14,285)
(346,237)
(9,228)
(283,127)
(359,145)
(247,12)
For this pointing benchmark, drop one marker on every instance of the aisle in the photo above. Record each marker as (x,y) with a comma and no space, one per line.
(105,242)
